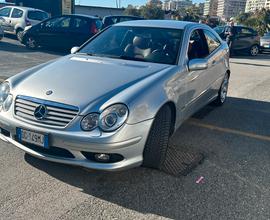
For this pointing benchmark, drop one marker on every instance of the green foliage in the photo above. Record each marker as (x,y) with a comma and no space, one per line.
(259,20)
(133,11)
(152,12)
(146,11)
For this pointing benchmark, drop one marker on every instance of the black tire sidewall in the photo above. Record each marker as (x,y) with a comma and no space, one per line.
(158,138)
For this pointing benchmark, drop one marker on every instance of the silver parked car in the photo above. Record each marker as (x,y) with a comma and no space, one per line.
(16,19)
(265,42)
(114,102)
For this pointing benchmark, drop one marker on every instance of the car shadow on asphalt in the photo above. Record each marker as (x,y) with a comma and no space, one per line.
(20,48)
(150,191)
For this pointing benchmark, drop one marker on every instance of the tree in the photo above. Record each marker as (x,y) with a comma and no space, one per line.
(259,20)
(131,10)
(152,12)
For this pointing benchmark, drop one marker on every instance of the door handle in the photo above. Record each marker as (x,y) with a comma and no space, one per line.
(214,62)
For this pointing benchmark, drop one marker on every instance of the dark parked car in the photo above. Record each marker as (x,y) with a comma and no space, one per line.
(245,39)
(110,20)
(265,42)
(62,32)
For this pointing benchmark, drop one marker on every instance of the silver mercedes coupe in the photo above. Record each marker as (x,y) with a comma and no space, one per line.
(114,102)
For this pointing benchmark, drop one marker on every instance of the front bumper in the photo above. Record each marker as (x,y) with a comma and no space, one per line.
(265,46)
(128,141)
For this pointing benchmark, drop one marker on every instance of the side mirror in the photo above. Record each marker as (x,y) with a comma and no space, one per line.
(74,50)
(197,64)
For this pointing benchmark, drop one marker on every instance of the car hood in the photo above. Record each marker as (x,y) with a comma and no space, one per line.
(79,80)
(265,38)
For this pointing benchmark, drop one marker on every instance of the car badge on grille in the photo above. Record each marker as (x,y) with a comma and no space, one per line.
(49,92)
(40,112)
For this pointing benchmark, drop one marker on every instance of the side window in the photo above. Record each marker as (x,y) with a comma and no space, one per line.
(197,47)
(212,41)
(5,12)
(17,13)
(37,15)
(60,22)
(245,32)
(80,25)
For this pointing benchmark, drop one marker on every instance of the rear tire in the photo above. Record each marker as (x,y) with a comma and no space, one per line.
(254,50)
(222,94)
(157,142)
(19,34)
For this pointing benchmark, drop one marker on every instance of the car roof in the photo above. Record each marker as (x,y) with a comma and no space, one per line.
(158,23)
(79,15)
(23,8)
(121,16)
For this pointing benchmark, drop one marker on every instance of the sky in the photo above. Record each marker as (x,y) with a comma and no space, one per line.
(112,3)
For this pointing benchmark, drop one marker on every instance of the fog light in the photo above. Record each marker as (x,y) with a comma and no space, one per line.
(102,157)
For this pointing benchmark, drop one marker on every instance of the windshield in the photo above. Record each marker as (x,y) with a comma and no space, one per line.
(157,45)
(219,29)
(37,15)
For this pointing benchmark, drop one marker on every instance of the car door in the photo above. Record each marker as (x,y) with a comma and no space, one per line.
(55,32)
(195,80)
(80,30)
(244,38)
(5,18)
(16,18)
(216,65)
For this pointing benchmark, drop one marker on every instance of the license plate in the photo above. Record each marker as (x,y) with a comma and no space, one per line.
(31,137)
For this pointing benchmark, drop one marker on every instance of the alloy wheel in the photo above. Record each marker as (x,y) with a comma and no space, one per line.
(254,50)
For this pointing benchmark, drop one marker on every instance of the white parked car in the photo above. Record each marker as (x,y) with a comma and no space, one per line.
(15,19)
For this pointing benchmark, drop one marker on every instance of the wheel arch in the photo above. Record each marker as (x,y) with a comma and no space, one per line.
(172,107)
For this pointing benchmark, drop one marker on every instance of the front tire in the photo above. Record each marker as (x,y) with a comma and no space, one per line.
(254,50)
(31,43)
(223,91)
(157,142)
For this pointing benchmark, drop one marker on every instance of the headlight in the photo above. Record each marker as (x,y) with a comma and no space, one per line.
(7,103)
(4,92)
(90,122)
(113,117)
(5,97)
(110,119)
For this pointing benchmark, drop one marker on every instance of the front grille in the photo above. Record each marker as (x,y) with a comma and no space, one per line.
(58,114)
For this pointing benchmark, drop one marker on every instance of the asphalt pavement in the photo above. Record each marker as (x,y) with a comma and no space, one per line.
(234,138)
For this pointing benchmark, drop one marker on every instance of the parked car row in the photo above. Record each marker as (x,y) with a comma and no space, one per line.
(265,42)
(34,28)
(15,19)
(245,39)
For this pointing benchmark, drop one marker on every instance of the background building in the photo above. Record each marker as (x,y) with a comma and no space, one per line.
(210,8)
(157,3)
(98,11)
(173,5)
(230,8)
(253,5)
(267,4)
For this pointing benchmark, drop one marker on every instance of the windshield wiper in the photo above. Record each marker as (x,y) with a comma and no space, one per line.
(132,58)
(88,54)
